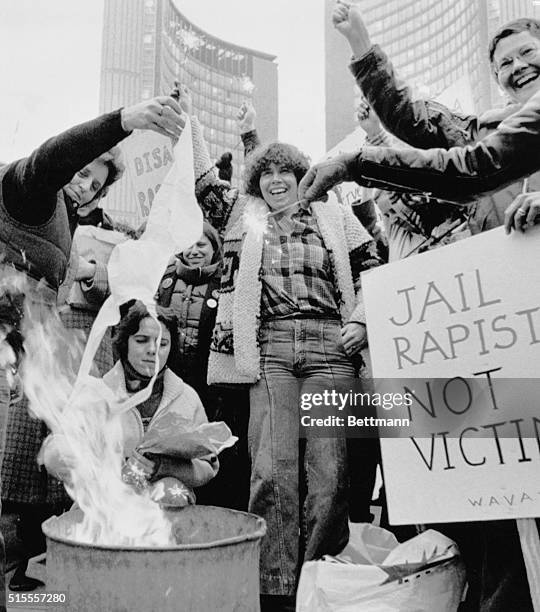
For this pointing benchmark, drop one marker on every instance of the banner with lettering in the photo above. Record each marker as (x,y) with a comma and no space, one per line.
(459,328)
(148,157)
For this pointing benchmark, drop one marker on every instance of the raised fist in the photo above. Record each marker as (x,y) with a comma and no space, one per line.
(347,20)
(246,117)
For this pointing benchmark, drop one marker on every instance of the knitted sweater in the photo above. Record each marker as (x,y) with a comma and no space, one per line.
(234,352)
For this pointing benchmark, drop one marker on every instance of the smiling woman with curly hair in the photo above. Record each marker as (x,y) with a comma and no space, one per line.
(278,153)
(290,320)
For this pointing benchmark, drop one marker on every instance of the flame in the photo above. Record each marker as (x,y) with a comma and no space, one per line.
(255,220)
(189,40)
(87,434)
(82,412)
(247,84)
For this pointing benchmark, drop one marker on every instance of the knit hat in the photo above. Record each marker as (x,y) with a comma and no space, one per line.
(224,166)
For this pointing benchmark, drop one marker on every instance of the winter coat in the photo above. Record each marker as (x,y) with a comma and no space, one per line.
(192,293)
(36,225)
(235,353)
(179,398)
(36,219)
(426,124)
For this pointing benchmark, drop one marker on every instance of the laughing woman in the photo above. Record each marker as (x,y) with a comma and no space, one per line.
(290,320)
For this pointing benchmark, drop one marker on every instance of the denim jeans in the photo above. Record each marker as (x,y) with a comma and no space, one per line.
(298,486)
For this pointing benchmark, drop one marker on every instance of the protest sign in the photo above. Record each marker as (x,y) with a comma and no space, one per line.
(94,244)
(135,267)
(469,314)
(148,157)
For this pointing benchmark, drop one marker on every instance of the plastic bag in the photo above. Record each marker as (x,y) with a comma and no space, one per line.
(175,435)
(376,573)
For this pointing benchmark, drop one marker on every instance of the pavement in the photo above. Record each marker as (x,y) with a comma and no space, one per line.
(35,570)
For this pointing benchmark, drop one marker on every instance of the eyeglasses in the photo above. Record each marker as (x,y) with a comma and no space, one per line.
(525,54)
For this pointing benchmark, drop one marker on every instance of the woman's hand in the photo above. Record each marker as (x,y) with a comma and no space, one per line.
(524,212)
(162,114)
(138,470)
(246,117)
(367,119)
(347,20)
(85,269)
(182,94)
(321,177)
(353,337)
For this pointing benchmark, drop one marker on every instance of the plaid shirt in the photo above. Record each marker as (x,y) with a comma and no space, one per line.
(297,277)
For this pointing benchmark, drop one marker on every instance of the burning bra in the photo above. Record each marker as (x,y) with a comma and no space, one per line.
(88,437)
(198,558)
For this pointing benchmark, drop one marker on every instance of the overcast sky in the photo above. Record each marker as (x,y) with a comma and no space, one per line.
(50,58)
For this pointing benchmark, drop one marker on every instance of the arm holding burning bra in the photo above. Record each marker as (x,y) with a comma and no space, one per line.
(215,197)
(30,185)
(221,204)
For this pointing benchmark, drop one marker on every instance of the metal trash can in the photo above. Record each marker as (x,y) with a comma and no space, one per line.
(214,566)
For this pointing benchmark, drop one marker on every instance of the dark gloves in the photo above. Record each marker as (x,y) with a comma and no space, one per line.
(320,178)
